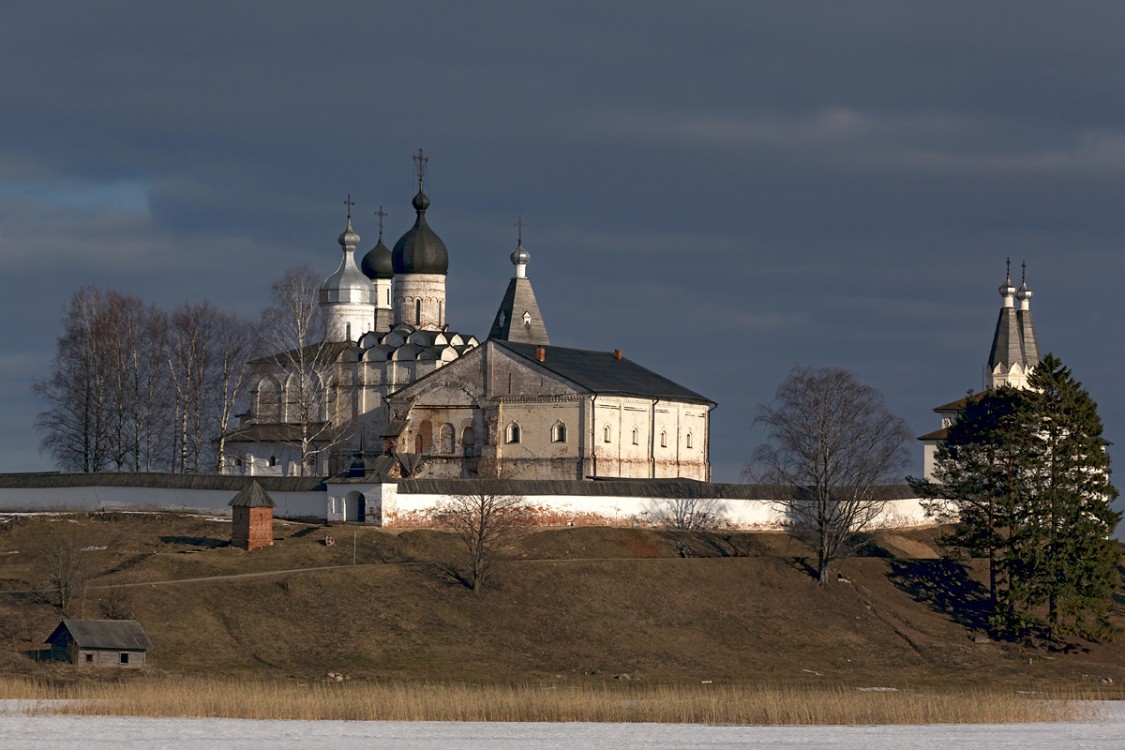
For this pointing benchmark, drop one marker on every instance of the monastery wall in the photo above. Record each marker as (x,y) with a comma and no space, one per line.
(389,504)
(293,505)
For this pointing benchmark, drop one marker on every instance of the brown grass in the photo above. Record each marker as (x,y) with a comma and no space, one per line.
(399,701)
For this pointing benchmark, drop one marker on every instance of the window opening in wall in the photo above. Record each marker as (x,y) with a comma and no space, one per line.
(605,434)
(689,440)
(445,437)
(273,461)
(238,462)
(663,439)
(468,441)
(89,657)
(636,436)
(124,658)
(513,435)
(388,298)
(417,312)
(558,433)
(348,332)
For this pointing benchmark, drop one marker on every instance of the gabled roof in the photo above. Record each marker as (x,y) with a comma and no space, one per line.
(941,434)
(604,372)
(117,635)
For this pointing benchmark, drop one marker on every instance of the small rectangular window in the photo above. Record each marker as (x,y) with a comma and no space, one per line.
(89,657)
(124,658)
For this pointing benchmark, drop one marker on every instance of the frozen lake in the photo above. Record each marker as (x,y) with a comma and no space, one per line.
(18,732)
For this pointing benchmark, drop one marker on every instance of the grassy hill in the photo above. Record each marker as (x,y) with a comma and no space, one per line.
(569,604)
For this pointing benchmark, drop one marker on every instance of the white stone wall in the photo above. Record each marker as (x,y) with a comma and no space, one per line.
(429,290)
(384,505)
(415,509)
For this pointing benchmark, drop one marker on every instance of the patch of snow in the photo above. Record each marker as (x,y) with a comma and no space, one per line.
(130,733)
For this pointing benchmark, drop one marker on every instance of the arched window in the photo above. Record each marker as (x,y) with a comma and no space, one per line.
(269,401)
(636,436)
(558,433)
(273,461)
(606,434)
(513,433)
(417,312)
(446,438)
(348,332)
(469,441)
(663,439)
(689,440)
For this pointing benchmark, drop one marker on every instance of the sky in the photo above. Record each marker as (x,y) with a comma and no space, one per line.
(722,190)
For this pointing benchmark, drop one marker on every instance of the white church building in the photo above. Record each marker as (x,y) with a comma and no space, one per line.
(1015,353)
(396,393)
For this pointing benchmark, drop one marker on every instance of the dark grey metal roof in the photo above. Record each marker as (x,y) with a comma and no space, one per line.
(604,373)
(376,264)
(159,481)
(420,250)
(252,496)
(1006,349)
(117,635)
(509,325)
(655,488)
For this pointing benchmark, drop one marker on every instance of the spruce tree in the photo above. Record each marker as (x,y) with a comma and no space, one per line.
(1024,474)
(978,484)
(1066,559)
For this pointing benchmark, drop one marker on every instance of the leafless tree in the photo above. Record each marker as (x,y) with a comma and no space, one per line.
(687,513)
(206,354)
(61,561)
(134,389)
(106,394)
(833,448)
(293,333)
(483,521)
(75,422)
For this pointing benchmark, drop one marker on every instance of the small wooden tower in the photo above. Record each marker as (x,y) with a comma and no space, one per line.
(252,511)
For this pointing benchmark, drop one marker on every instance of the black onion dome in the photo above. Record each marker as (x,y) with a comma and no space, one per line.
(420,250)
(376,264)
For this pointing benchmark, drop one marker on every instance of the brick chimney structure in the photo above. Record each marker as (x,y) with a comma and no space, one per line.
(252,518)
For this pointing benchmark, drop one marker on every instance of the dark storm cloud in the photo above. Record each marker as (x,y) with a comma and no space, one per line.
(722,190)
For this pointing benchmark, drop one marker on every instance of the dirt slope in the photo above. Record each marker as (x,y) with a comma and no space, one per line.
(569,604)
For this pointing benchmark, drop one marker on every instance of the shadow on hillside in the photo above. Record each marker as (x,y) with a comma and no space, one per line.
(205,542)
(946,587)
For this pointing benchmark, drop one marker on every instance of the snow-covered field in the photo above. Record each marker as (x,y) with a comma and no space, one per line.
(19,732)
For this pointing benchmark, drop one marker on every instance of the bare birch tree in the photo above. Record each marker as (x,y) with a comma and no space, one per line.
(207,353)
(293,332)
(833,449)
(483,521)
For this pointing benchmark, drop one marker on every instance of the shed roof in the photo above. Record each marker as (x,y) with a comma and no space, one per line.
(117,635)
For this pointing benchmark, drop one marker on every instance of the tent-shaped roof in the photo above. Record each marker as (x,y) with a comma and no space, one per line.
(252,496)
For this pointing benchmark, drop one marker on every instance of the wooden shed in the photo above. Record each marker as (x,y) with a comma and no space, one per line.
(105,643)
(252,518)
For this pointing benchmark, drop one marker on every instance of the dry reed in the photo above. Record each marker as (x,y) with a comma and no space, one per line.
(405,701)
